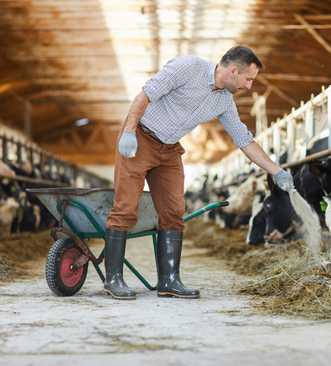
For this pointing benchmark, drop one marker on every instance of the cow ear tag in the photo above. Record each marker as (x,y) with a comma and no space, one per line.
(323,205)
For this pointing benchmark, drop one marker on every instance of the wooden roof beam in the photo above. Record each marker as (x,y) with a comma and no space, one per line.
(296,77)
(56,126)
(319,17)
(313,32)
(9,86)
(244,101)
(276,90)
(271,27)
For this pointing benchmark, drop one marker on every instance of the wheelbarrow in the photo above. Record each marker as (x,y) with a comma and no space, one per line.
(81,215)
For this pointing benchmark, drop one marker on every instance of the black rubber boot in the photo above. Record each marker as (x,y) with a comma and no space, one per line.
(168,253)
(114,259)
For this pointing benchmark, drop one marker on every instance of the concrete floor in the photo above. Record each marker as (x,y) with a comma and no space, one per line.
(37,328)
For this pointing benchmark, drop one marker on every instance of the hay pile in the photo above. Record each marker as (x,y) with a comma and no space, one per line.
(284,280)
(18,253)
(293,286)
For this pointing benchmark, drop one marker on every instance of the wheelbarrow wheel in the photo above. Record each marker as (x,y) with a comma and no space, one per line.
(61,278)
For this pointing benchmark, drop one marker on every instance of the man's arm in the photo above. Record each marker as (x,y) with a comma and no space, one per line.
(136,111)
(128,144)
(256,154)
(243,138)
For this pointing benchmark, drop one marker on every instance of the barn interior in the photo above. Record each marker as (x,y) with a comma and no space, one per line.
(69,72)
(70,69)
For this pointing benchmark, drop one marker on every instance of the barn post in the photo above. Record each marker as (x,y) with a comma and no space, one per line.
(18,152)
(309,123)
(4,147)
(276,140)
(27,119)
(259,110)
(291,137)
(265,142)
(30,155)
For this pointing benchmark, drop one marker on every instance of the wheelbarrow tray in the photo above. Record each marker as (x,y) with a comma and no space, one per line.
(96,201)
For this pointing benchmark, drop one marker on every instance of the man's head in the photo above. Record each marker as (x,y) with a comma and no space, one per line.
(237,69)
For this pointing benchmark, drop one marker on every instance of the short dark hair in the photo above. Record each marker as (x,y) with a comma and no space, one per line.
(240,55)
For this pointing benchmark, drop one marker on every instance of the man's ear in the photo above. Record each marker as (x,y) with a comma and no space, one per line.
(233,69)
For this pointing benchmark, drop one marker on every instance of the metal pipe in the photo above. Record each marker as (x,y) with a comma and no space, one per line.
(307,159)
(34,180)
(319,155)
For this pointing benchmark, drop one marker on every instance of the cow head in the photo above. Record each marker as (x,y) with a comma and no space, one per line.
(275,220)
(322,169)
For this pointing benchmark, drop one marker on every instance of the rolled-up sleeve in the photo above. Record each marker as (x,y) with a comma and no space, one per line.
(238,131)
(175,73)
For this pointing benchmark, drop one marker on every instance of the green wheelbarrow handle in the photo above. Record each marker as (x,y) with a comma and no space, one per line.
(209,207)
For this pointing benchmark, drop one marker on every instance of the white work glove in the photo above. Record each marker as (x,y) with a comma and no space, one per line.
(284,180)
(128,144)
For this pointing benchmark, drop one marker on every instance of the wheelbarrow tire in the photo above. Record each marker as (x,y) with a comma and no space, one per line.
(60,279)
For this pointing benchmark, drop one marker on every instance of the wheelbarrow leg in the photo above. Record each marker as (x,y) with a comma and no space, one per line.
(99,272)
(137,274)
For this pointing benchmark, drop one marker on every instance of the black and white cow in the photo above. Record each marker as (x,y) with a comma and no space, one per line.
(273,218)
(313,182)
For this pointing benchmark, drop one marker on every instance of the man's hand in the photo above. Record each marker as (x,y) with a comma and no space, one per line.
(128,144)
(284,180)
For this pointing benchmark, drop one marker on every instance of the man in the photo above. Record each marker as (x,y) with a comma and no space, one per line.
(186,92)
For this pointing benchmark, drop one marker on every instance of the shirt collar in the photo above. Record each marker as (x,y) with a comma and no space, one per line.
(211,77)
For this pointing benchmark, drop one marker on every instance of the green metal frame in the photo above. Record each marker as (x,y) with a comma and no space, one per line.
(101,231)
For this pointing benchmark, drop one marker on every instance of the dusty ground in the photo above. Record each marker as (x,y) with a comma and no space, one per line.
(37,328)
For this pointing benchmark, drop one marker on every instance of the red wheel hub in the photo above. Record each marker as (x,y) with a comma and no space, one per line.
(69,276)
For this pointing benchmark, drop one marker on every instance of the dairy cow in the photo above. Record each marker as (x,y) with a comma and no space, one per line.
(313,182)
(273,219)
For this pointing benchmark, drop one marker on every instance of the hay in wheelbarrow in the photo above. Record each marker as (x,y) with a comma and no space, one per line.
(284,280)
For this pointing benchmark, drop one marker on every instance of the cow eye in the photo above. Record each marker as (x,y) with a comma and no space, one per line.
(268,206)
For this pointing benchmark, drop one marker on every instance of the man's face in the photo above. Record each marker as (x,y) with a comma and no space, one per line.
(239,77)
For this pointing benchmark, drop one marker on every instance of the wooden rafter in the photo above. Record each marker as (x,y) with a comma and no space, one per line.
(76,139)
(94,135)
(56,127)
(313,32)
(276,90)
(319,17)
(123,31)
(296,77)
(8,86)
(244,101)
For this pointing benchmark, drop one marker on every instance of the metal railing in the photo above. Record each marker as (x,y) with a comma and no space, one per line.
(292,135)
(44,167)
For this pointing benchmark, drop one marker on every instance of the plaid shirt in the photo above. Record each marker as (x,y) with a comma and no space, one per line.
(182,95)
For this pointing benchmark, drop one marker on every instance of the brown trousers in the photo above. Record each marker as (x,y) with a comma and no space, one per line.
(161,165)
